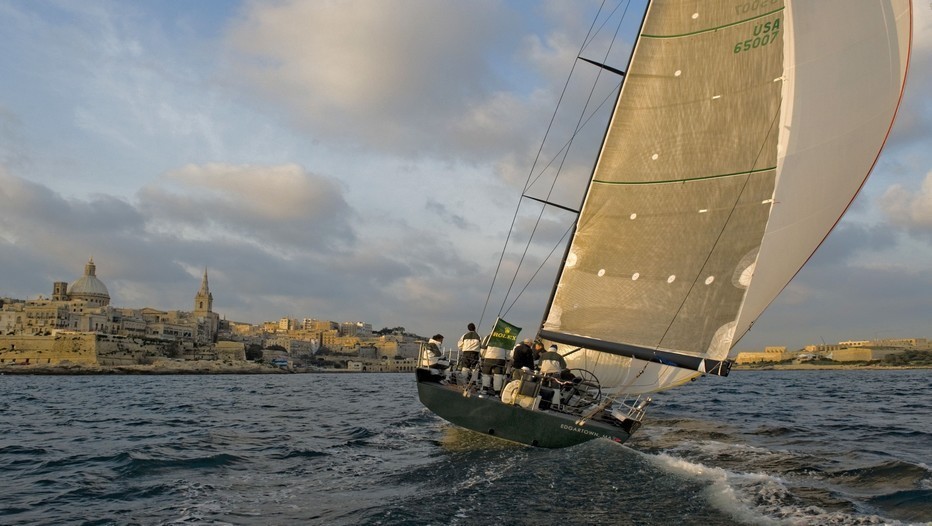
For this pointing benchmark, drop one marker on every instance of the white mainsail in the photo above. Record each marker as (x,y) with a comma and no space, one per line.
(741,134)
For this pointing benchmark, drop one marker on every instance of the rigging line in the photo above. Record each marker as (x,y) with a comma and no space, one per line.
(583,122)
(580,123)
(569,142)
(553,184)
(544,262)
(604,22)
(731,213)
(531,173)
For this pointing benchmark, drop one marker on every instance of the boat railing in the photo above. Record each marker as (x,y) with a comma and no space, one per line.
(632,408)
(424,356)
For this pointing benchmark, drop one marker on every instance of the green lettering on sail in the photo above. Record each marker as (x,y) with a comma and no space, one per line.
(765,32)
(504,335)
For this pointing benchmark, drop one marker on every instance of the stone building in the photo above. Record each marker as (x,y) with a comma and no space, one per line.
(87,288)
(84,306)
(208,321)
(770,354)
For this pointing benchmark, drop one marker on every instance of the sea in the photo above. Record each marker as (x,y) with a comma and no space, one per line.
(758,447)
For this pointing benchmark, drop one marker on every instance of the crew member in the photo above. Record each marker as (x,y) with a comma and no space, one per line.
(494,360)
(434,355)
(523,356)
(553,365)
(469,345)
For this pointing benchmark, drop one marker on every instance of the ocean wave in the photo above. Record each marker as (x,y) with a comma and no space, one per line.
(135,465)
(906,505)
(300,453)
(882,477)
(16,449)
(762,498)
(778,430)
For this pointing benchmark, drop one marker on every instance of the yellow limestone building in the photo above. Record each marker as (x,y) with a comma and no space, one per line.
(78,325)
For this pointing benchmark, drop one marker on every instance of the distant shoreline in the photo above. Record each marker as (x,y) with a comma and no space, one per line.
(181,368)
(211,367)
(199,367)
(825,367)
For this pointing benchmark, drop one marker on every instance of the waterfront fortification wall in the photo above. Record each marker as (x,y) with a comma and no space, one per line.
(87,348)
(76,348)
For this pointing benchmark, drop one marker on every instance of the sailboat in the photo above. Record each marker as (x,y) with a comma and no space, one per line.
(741,133)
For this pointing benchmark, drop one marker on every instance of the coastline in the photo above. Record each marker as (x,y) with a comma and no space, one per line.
(214,367)
(192,367)
(166,368)
(828,367)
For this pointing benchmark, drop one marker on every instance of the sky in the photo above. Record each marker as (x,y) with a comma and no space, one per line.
(359,160)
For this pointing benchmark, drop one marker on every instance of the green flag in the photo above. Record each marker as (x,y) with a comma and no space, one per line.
(504,335)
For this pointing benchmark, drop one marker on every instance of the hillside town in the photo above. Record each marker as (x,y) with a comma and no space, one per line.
(78,327)
(889,352)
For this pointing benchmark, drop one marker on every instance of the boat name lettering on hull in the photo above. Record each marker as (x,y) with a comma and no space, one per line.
(583,431)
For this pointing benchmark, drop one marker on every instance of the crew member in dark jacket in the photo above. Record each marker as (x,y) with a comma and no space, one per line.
(523,356)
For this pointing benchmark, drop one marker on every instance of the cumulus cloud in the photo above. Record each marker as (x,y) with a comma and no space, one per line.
(385,74)
(277,207)
(36,216)
(150,251)
(908,208)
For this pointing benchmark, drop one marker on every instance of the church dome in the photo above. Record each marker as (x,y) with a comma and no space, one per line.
(89,288)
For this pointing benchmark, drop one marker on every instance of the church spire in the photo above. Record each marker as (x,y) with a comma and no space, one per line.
(204,300)
(204,288)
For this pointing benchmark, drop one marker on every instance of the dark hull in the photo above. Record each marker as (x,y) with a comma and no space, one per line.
(489,416)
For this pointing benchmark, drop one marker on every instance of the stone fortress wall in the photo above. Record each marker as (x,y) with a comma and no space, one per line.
(83,348)
(76,348)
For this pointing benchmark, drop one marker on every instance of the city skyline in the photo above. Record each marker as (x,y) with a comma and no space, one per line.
(203,294)
(359,160)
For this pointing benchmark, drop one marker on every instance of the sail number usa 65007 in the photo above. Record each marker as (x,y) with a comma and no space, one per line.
(764,33)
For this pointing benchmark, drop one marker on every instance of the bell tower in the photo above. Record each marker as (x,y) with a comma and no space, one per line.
(204,300)
(208,321)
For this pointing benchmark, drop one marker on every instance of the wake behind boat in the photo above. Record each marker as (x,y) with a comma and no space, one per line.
(740,134)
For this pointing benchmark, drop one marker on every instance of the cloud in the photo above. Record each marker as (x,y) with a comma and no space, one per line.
(443,212)
(835,303)
(12,147)
(275,239)
(35,216)
(909,208)
(274,207)
(388,75)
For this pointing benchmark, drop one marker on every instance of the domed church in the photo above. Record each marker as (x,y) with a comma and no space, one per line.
(89,288)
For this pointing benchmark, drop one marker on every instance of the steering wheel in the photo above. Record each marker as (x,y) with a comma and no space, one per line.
(585,391)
